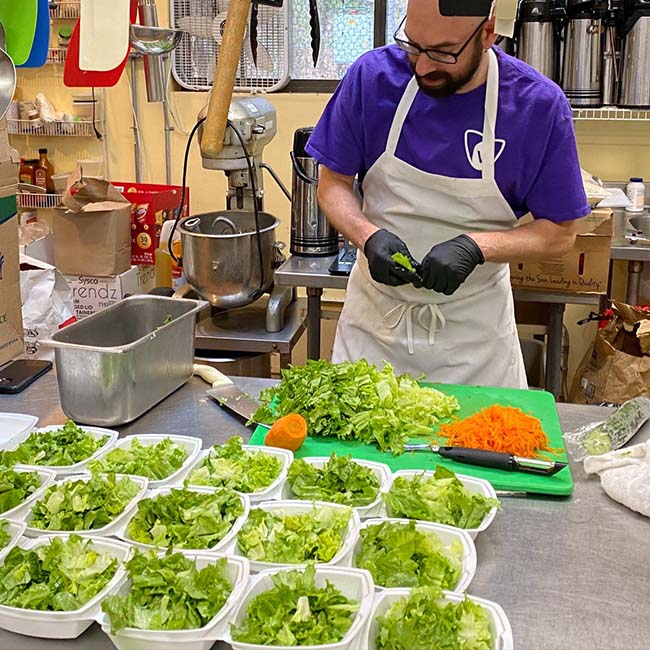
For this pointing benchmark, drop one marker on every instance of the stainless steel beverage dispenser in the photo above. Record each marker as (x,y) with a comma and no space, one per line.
(311,233)
(537,42)
(612,52)
(635,81)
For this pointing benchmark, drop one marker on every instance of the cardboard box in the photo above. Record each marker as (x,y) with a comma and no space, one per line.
(584,269)
(92,294)
(92,233)
(151,205)
(41,249)
(11,320)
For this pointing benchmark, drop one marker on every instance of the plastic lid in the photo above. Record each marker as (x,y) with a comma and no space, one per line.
(636,180)
(535,11)
(65,31)
(42,151)
(300,138)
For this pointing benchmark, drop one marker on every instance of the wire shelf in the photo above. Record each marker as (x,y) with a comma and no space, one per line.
(57,54)
(611,113)
(64,9)
(80,128)
(27,200)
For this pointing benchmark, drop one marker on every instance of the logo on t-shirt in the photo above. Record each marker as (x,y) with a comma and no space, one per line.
(474,148)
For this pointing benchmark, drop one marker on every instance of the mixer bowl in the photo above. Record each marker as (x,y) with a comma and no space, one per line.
(221,258)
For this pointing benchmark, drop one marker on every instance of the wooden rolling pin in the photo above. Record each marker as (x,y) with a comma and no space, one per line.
(214,127)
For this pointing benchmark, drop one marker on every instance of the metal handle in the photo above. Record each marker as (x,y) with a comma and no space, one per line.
(479,457)
(302,174)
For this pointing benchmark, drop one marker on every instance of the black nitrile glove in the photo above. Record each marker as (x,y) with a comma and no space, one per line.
(379,249)
(448,264)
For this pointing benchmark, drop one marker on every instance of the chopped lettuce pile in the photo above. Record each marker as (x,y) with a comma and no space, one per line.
(442,498)
(83,505)
(155,462)
(169,593)
(5,537)
(185,519)
(61,576)
(233,467)
(399,555)
(316,535)
(65,446)
(356,401)
(340,480)
(16,487)
(423,622)
(295,612)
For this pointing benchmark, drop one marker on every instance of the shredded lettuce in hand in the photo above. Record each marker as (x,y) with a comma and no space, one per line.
(340,480)
(155,462)
(284,538)
(16,487)
(356,401)
(442,498)
(233,467)
(423,622)
(399,555)
(61,576)
(5,537)
(65,446)
(295,612)
(402,260)
(185,519)
(83,505)
(169,593)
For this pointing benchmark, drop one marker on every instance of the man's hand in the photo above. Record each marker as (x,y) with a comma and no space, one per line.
(448,265)
(379,249)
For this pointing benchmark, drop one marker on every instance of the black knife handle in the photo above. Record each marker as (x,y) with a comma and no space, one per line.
(480,457)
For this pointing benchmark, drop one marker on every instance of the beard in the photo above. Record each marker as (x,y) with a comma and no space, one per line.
(441,84)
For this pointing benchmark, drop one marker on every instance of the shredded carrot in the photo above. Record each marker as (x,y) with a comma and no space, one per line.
(499,428)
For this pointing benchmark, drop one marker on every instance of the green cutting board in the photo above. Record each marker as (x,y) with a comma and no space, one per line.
(471,399)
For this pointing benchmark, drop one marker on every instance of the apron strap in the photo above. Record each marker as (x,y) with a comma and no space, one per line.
(490,118)
(400,115)
(437,320)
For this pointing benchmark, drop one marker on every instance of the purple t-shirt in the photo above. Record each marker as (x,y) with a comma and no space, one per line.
(537,168)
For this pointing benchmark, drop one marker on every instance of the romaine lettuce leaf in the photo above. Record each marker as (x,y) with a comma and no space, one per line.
(15,487)
(5,537)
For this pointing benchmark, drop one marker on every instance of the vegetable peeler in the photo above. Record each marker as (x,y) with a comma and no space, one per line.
(492,459)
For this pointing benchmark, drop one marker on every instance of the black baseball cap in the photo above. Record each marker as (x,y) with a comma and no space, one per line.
(480,8)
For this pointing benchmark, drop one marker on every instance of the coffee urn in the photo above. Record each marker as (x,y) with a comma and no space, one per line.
(311,233)
(582,67)
(537,41)
(612,52)
(635,78)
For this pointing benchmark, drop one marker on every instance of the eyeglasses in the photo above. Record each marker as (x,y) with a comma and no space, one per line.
(439,56)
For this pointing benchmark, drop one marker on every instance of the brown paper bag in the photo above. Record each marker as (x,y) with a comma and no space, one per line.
(618,367)
(92,232)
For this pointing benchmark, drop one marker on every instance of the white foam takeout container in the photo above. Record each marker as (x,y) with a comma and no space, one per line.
(200,639)
(220,546)
(380,470)
(65,470)
(297,507)
(26,512)
(447,534)
(192,447)
(13,424)
(474,485)
(354,584)
(272,491)
(46,478)
(64,625)
(15,529)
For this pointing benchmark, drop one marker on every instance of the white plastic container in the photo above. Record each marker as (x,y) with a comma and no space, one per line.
(46,477)
(354,584)
(191,445)
(635,191)
(64,625)
(13,424)
(447,534)
(273,491)
(380,470)
(474,485)
(344,554)
(15,529)
(66,470)
(26,512)
(220,546)
(201,639)
(499,623)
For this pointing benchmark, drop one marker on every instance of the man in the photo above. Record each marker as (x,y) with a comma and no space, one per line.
(453,141)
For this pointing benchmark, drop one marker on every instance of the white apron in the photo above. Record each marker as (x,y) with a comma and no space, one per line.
(469,337)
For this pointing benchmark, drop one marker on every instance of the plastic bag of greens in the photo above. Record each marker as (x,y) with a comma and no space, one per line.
(611,434)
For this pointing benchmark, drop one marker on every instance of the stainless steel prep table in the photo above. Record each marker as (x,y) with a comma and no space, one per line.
(312,273)
(571,574)
(636,257)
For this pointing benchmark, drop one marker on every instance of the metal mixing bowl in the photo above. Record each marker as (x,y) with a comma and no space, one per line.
(642,224)
(221,258)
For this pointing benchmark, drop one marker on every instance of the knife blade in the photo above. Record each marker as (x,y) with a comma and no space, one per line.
(492,459)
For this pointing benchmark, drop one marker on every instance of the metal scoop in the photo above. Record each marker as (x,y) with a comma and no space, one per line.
(154,40)
(7,75)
